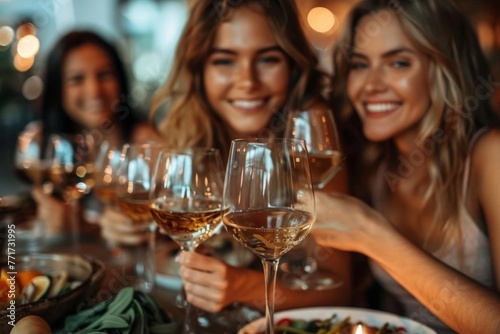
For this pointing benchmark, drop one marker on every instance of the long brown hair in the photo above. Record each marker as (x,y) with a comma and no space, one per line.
(190,120)
(458,67)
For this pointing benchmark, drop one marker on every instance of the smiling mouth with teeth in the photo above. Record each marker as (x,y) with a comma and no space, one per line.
(247,104)
(381,107)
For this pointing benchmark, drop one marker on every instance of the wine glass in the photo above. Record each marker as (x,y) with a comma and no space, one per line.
(71,170)
(269,202)
(317,128)
(107,163)
(31,168)
(187,202)
(29,164)
(133,185)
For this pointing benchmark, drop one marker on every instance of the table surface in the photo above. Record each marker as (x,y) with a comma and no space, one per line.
(168,284)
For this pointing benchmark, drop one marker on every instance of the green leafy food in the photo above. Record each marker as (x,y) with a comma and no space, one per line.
(129,312)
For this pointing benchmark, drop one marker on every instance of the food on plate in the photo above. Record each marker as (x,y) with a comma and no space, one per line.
(31,285)
(31,324)
(332,325)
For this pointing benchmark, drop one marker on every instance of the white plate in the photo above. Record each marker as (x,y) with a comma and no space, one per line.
(370,317)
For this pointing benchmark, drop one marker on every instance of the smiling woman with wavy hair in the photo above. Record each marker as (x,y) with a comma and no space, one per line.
(183,95)
(413,92)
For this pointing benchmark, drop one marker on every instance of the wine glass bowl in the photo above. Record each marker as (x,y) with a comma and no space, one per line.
(71,164)
(107,164)
(269,199)
(317,128)
(30,166)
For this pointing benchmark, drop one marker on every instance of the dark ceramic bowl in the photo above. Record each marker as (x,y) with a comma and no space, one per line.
(89,271)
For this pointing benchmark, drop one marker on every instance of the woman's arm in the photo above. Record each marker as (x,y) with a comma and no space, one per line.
(485,182)
(460,302)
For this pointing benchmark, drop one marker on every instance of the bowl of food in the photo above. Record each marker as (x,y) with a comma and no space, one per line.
(51,286)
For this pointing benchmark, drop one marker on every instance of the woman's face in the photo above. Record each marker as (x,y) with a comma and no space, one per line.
(90,86)
(388,79)
(246,75)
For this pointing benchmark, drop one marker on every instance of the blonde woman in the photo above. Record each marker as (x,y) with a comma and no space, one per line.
(410,75)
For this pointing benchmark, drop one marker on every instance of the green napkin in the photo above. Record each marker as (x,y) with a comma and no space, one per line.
(129,312)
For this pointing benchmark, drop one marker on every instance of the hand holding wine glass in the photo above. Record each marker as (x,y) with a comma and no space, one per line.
(270,202)
(187,201)
(318,129)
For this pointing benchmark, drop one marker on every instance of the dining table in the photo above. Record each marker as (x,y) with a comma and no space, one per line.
(167,289)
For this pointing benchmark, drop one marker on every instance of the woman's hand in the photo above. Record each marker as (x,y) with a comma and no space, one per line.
(211,284)
(118,229)
(346,223)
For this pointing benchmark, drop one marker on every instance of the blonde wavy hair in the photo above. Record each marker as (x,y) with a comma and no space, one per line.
(190,120)
(440,31)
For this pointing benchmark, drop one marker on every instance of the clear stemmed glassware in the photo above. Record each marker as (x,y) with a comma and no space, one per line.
(71,170)
(107,163)
(269,202)
(187,202)
(133,185)
(32,168)
(30,165)
(317,128)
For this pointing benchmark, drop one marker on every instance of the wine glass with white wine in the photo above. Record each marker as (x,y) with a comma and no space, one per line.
(318,129)
(133,184)
(187,202)
(269,202)
(71,170)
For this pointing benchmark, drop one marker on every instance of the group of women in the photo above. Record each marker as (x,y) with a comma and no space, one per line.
(420,183)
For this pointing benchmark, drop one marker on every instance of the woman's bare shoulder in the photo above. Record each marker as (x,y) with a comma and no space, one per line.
(486,147)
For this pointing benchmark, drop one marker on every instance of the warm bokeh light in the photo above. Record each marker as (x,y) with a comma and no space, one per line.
(23,64)
(321,19)
(6,35)
(25,29)
(32,88)
(28,46)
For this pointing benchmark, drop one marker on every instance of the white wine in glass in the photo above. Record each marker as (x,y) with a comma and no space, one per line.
(187,202)
(71,171)
(269,199)
(107,165)
(133,186)
(318,129)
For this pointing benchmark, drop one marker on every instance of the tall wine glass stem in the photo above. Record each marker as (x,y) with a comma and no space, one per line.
(74,223)
(191,316)
(270,269)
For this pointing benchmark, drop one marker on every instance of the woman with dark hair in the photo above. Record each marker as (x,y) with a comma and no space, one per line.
(85,89)
(414,93)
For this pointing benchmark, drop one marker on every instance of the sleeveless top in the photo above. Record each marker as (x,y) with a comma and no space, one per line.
(476,264)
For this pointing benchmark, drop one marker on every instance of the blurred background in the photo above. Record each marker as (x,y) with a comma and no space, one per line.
(146,32)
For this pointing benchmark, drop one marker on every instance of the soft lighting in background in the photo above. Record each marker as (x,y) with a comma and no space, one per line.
(28,46)
(23,64)
(6,35)
(32,88)
(321,19)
